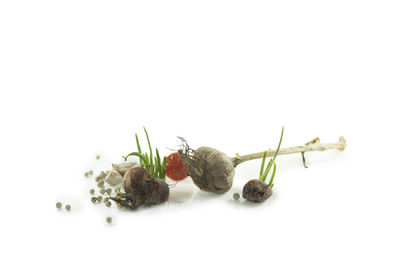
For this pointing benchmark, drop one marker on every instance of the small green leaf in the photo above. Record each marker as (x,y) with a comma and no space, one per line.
(139,149)
(164,165)
(264,173)
(262,166)
(158,158)
(276,152)
(267,170)
(135,154)
(151,151)
(147,161)
(157,163)
(271,182)
(279,146)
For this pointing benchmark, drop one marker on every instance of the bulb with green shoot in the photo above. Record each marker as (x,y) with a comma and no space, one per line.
(144,184)
(258,190)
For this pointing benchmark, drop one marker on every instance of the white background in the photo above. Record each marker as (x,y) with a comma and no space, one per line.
(79,78)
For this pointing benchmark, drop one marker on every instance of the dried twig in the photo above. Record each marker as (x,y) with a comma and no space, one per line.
(313,145)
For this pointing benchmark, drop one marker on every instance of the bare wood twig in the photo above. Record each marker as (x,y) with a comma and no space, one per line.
(314,145)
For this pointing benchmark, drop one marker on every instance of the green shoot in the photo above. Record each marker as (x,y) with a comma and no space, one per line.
(262,165)
(138,147)
(151,152)
(271,182)
(264,173)
(143,160)
(152,163)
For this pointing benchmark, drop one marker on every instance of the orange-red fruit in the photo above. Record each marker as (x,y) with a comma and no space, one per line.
(175,168)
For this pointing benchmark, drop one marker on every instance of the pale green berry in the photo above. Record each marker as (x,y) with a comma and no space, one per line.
(92,191)
(58,205)
(236,196)
(109,220)
(68,207)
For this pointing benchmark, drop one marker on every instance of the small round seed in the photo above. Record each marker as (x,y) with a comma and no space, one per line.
(102,191)
(108,204)
(92,191)
(100,184)
(90,172)
(99,179)
(58,205)
(236,196)
(86,174)
(109,220)
(93,199)
(68,207)
(109,190)
(97,157)
(99,198)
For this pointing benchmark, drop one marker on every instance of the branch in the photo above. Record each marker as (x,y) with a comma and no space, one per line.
(313,145)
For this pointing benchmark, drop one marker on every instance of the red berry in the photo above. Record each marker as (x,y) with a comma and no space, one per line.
(175,168)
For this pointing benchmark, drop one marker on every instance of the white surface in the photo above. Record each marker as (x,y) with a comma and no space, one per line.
(79,78)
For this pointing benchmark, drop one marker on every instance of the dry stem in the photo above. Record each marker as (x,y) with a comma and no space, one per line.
(313,145)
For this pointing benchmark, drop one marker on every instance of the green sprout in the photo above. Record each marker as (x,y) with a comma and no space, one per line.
(153,164)
(264,173)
